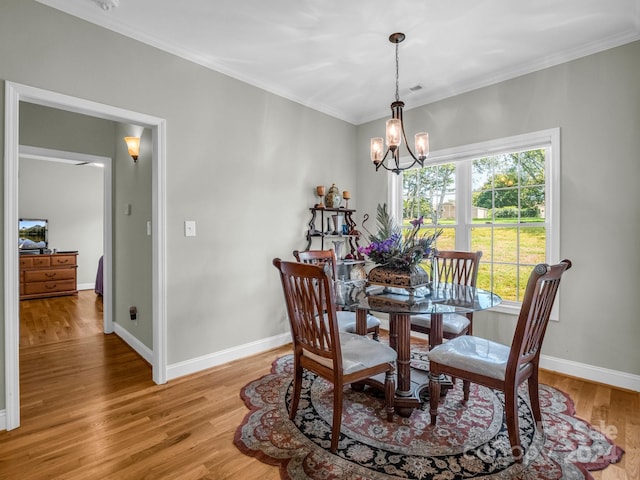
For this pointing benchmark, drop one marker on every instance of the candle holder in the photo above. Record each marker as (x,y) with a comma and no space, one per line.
(346,196)
(320,193)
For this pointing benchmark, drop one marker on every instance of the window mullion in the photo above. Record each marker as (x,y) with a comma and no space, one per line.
(463,205)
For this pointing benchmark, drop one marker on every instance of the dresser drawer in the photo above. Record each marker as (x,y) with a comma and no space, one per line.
(49,287)
(26,262)
(62,260)
(34,261)
(49,275)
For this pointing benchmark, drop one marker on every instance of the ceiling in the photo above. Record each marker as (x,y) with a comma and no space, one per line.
(335,56)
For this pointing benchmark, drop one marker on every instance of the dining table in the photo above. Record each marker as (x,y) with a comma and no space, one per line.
(437,300)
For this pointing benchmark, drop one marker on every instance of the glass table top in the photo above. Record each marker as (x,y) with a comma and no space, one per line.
(441,298)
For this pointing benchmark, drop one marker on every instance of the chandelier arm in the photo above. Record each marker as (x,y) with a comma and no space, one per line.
(381,162)
(406,144)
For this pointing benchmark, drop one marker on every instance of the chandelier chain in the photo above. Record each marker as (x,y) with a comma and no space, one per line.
(397,74)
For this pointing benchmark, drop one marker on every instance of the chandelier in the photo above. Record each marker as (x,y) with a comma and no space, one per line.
(395,132)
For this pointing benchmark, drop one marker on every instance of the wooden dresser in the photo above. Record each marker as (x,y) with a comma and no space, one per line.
(48,275)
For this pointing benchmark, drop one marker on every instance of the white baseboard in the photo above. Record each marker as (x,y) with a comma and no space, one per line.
(218,358)
(3,419)
(591,372)
(86,286)
(142,350)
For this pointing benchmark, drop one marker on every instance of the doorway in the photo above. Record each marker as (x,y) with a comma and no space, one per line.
(98,245)
(14,94)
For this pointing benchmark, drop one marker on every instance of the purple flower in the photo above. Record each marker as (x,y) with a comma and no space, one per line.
(417,221)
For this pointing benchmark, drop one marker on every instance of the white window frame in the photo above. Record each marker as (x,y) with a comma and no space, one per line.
(462,156)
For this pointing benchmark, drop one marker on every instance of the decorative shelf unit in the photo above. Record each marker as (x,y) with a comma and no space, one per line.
(324,216)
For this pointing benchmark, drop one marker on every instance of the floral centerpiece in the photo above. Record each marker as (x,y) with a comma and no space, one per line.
(397,255)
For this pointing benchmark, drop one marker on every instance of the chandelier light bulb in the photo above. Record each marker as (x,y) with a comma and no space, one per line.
(422,145)
(394,133)
(376,150)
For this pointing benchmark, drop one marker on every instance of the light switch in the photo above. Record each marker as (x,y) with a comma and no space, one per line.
(127,209)
(149,228)
(189,228)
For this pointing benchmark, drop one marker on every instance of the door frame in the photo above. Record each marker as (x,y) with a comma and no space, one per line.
(14,94)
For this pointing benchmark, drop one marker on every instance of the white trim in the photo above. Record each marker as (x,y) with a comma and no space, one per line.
(224,356)
(86,286)
(593,373)
(14,93)
(3,419)
(11,270)
(49,154)
(140,348)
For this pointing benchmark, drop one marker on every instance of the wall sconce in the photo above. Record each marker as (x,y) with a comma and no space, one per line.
(133,145)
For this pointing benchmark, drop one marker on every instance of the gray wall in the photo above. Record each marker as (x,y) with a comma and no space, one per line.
(241,162)
(596,103)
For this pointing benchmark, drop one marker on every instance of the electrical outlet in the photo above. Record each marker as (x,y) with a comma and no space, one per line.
(133,313)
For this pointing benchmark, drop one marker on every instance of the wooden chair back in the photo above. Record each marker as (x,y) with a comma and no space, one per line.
(311,309)
(539,297)
(319,257)
(452,266)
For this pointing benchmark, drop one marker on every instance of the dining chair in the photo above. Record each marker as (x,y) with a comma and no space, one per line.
(497,366)
(340,357)
(451,266)
(346,319)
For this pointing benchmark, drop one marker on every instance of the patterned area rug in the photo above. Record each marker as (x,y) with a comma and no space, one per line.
(468,442)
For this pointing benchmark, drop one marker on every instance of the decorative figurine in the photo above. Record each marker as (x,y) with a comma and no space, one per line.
(346,196)
(320,193)
(333,197)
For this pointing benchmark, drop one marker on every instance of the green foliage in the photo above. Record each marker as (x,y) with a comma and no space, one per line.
(513,180)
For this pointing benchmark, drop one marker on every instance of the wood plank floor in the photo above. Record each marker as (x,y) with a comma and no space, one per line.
(91,411)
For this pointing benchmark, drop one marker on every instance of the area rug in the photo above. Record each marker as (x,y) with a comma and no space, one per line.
(468,442)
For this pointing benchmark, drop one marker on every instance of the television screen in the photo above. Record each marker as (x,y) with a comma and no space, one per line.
(32,233)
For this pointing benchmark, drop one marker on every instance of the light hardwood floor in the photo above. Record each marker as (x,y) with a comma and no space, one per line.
(91,411)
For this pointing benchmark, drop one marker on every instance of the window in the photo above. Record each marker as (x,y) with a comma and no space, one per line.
(500,197)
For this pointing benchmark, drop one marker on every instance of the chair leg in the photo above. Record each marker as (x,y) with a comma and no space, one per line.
(337,415)
(297,389)
(376,333)
(465,391)
(511,412)
(434,398)
(534,396)
(389,393)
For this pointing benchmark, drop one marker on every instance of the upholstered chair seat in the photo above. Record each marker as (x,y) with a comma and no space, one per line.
(358,353)
(347,321)
(473,354)
(453,324)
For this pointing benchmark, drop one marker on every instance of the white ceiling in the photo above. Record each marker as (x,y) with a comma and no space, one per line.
(335,56)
